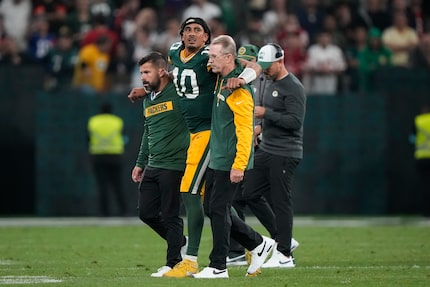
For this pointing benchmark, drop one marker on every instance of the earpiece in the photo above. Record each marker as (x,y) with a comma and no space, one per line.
(279,51)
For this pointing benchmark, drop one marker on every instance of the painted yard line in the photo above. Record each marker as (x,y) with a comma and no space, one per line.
(298,221)
(365,267)
(27,280)
(6,262)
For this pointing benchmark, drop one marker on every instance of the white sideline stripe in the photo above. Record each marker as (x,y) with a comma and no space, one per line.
(364,267)
(27,279)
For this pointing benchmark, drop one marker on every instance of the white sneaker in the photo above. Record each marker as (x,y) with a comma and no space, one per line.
(279,260)
(184,248)
(160,271)
(294,244)
(211,273)
(260,253)
(237,261)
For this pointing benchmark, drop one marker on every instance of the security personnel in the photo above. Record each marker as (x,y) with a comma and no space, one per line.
(422,156)
(106,146)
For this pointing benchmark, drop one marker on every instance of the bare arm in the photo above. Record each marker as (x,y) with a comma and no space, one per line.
(137,94)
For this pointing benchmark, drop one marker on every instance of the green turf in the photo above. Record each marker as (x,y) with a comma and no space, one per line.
(100,255)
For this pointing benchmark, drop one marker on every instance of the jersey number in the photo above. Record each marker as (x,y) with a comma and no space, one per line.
(186,83)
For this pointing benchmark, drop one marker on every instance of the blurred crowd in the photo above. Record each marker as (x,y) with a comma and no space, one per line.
(332,46)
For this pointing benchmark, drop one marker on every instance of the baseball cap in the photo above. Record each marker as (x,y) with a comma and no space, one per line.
(248,52)
(268,54)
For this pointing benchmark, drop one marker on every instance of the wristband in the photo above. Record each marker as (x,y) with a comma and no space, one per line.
(248,75)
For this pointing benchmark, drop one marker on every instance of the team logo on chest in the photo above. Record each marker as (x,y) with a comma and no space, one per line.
(275,94)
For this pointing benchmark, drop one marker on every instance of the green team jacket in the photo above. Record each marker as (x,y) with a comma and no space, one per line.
(166,138)
(231,142)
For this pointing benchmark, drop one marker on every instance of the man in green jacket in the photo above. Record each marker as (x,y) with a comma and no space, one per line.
(160,164)
(231,147)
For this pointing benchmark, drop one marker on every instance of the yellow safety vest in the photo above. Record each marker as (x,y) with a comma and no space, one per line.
(422,142)
(105,132)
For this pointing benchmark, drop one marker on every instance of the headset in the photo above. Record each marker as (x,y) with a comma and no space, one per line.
(279,52)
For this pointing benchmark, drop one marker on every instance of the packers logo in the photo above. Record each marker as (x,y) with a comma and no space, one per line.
(158,108)
(241,51)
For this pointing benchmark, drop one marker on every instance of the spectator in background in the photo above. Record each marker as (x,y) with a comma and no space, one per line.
(400,39)
(295,57)
(274,16)
(79,20)
(325,61)
(106,147)
(168,36)
(371,59)
(347,19)
(217,27)
(55,11)
(141,46)
(395,6)
(91,67)
(418,12)
(372,13)
(291,26)
(252,31)
(120,69)
(9,52)
(337,36)
(202,8)
(311,16)
(124,19)
(101,28)
(41,41)
(147,19)
(420,56)
(16,17)
(101,7)
(61,61)
(360,41)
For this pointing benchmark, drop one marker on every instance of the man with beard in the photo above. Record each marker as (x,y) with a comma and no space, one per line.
(161,160)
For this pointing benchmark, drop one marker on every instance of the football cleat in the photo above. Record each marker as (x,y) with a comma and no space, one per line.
(237,261)
(183,269)
(279,260)
(260,253)
(160,272)
(211,273)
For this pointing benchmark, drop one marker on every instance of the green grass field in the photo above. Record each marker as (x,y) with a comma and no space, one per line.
(99,252)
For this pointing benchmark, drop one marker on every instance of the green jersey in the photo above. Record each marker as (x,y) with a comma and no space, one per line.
(195,86)
(166,137)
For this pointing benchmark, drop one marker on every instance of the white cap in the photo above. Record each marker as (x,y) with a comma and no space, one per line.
(268,54)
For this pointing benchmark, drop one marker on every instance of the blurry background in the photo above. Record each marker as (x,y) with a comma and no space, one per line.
(357,160)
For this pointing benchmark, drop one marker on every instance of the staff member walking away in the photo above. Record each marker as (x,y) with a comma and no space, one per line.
(106,147)
(422,157)
(161,161)
(231,145)
(281,148)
